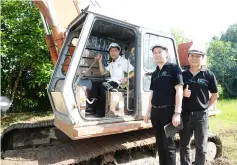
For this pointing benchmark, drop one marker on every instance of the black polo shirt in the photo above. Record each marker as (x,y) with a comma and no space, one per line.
(200,85)
(163,84)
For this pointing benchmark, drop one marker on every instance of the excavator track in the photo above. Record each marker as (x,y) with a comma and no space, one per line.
(42,143)
(71,152)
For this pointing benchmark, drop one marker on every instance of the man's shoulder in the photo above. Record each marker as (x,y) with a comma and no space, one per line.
(209,73)
(173,68)
(185,72)
(125,62)
(123,59)
(154,73)
(109,64)
(172,65)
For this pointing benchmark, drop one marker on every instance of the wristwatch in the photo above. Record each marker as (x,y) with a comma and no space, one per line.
(177,113)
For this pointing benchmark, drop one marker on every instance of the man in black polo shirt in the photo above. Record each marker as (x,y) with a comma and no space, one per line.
(198,82)
(165,103)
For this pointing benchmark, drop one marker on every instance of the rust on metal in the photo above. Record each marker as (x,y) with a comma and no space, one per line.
(183,53)
(58,37)
(44,10)
(52,48)
(77,132)
(67,60)
(80,150)
(66,128)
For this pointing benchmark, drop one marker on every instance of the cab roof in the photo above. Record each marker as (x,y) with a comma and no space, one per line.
(113,16)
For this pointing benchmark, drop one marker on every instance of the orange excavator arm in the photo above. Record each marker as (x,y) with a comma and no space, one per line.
(56,14)
(183,53)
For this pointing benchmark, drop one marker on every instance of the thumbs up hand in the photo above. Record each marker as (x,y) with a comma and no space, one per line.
(187,92)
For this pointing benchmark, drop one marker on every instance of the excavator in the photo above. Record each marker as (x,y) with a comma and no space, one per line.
(75,135)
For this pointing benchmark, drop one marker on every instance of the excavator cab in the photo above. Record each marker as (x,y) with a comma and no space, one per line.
(73,90)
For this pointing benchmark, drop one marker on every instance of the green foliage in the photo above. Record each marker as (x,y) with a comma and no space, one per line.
(179,36)
(230,34)
(222,59)
(25,61)
(220,91)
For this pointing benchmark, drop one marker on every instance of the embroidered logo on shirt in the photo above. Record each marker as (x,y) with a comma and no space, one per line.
(164,73)
(202,81)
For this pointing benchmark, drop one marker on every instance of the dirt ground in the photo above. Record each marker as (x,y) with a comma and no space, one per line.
(229,142)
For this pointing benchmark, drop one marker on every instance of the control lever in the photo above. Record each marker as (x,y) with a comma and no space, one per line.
(91,102)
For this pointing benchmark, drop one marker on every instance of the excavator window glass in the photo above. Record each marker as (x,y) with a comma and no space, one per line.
(88,76)
(149,63)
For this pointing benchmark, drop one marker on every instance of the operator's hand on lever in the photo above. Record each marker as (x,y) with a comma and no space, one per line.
(187,92)
(99,57)
(147,117)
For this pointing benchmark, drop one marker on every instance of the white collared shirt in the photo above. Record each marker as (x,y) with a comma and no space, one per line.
(118,68)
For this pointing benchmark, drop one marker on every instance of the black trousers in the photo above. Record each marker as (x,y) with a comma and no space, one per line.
(93,93)
(166,146)
(105,86)
(196,123)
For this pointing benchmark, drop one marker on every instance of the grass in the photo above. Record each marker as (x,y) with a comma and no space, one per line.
(224,124)
(11,118)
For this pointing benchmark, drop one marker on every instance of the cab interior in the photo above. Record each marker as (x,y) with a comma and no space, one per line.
(119,101)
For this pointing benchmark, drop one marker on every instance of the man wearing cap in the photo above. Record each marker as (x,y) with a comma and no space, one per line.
(116,69)
(198,81)
(165,103)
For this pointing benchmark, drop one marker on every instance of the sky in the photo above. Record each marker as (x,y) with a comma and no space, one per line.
(198,19)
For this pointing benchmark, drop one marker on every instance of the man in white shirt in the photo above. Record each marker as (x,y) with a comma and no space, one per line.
(117,68)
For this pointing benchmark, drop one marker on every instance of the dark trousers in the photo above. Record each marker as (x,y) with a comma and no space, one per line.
(196,123)
(166,146)
(93,93)
(105,86)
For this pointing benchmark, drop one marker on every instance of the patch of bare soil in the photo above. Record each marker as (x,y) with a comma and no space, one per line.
(229,145)
(222,161)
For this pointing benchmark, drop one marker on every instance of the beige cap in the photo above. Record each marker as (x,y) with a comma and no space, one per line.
(194,49)
(159,46)
(114,45)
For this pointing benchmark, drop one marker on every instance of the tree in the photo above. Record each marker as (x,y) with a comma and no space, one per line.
(230,34)
(222,59)
(25,62)
(179,36)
